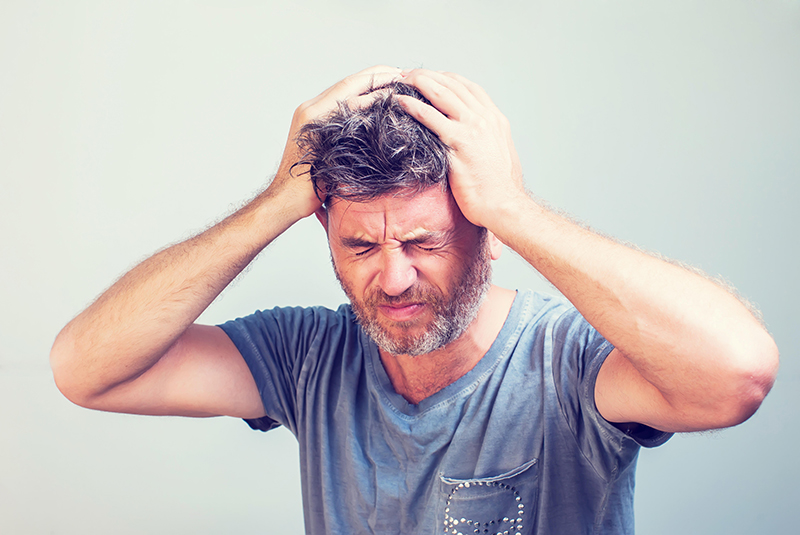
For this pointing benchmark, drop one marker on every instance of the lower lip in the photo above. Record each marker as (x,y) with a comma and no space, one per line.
(403,313)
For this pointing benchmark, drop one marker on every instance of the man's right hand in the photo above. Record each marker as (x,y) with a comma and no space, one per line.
(294,179)
(136,348)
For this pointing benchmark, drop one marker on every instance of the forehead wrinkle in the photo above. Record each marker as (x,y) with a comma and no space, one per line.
(385,225)
(358,234)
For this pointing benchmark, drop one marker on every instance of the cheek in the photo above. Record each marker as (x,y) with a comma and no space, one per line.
(356,274)
(439,268)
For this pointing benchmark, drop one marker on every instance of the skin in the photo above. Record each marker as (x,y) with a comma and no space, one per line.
(394,243)
(136,349)
(688,355)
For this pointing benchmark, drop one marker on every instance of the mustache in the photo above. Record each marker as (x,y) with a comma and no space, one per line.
(415,294)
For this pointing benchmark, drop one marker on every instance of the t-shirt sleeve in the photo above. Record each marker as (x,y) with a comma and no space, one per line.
(274,344)
(578,353)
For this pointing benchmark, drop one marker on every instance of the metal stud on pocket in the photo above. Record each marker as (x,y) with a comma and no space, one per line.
(453,525)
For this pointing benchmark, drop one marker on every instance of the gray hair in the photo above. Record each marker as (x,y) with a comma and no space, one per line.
(360,154)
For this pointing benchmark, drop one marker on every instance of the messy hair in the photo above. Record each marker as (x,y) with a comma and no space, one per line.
(360,154)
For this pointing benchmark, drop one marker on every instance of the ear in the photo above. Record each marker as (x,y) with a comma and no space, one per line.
(495,245)
(322,217)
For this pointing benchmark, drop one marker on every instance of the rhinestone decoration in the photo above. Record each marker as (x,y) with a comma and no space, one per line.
(499,526)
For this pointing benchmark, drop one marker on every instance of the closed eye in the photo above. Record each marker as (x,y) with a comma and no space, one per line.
(425,243)
(362,253)
(358,246)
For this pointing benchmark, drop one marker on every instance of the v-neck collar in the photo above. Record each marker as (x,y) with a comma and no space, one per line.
(464,385)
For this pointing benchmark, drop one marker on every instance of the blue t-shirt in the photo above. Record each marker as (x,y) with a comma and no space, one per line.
(514,446)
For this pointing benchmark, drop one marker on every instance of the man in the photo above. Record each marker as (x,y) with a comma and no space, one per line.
(435,402)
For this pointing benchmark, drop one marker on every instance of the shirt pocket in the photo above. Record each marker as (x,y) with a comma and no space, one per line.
(500,504)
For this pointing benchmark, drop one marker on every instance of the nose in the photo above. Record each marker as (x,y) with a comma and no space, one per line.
(398,273)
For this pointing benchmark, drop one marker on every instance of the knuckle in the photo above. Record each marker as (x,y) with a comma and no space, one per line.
(305,113)
(480,122)
(300,113)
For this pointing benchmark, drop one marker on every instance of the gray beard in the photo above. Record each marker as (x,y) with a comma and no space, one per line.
(452,314)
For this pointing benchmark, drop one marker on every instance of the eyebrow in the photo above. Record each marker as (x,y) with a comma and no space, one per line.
(355,243)
(425,237)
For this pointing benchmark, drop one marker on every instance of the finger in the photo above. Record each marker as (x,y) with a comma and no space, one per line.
(352,86)
(380,79)
(429,116)
(441,97)
(364,93)
(477,91)
(457,87)
(362,101)
(361,82)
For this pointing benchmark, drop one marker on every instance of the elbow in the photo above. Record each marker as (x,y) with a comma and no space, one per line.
(752,379)
(64,365)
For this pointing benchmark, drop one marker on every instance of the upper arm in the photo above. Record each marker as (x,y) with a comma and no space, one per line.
(622,395)
(690,398)
(202,374)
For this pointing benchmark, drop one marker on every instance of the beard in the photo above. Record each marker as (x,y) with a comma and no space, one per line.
(453,310)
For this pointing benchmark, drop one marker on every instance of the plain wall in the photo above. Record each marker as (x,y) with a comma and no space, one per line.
(126,126)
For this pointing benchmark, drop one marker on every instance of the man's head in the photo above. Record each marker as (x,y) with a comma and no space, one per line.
(415,270)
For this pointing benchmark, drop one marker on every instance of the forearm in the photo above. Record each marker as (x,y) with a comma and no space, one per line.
(133,350)
(133,323)
(687,336)
(688,354)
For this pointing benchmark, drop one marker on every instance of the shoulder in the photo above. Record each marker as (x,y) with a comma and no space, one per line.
(290,334)
(290,319)
(551,316)
(560,342)
(573,352)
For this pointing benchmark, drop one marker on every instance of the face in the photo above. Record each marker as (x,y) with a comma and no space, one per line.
(414,268)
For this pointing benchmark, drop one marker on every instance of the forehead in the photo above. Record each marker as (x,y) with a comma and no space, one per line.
(399,217)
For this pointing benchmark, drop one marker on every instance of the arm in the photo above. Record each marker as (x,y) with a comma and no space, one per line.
(135,349)
(688,355)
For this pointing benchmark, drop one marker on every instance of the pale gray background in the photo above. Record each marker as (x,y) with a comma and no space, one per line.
(125,126)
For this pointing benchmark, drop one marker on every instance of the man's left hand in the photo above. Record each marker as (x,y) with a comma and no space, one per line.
(485,173)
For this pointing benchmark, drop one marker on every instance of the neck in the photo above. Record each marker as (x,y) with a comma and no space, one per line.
(416,378)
